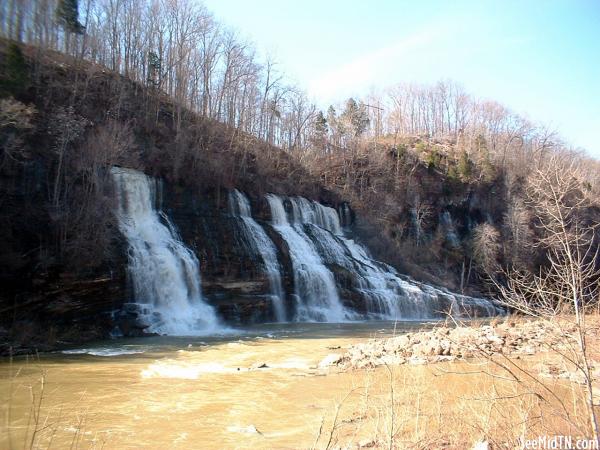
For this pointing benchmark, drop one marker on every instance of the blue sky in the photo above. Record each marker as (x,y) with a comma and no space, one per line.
(541,58)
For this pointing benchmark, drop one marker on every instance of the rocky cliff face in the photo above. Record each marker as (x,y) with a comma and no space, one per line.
(50,296)
(48,299)
(47,303)
(232,278)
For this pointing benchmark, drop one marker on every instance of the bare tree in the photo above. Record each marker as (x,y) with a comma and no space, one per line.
(518,239)
(486,247)
(15,121)
(568,281)
(67,127)
(421,214)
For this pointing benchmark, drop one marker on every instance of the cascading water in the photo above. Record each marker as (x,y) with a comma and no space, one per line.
(165,273)
(378,286)
(449,230)
(391,297)
(315,291)
(258,243)
(345,215)
(304,212)
(386,294)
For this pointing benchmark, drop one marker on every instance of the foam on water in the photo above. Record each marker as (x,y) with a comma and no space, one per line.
(102,351)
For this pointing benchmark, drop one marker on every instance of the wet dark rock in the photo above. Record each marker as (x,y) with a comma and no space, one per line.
(130,322)
(45,300)
(233,280)
(259,365)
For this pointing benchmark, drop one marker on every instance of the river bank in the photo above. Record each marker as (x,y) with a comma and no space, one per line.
(509,337)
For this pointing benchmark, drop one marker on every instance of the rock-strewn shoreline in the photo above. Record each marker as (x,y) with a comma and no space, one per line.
(449,343)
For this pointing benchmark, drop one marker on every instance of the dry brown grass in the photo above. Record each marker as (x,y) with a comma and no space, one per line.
(454,405)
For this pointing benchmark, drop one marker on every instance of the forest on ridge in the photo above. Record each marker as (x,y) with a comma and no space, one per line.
(438,178)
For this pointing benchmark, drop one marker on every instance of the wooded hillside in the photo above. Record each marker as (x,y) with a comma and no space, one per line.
(433,173)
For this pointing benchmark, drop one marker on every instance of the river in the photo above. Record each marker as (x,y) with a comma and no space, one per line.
(183,392)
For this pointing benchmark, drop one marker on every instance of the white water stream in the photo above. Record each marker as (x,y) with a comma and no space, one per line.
(164,272)
(259,243)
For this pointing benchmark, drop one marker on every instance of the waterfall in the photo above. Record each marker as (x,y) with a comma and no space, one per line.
(386,294)
(449,230)
(315,291)
(345,215)
(309,212)
(165,273)
(325,264)
(258,243)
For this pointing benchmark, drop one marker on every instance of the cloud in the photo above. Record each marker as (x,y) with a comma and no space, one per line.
(366,69)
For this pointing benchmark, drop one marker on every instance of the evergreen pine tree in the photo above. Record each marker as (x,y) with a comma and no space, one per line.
(320,130)
(320,124)
(488,171)
(336,126)
(433,159)
(67,14)
(14,79)
(331,117)
(356,117)
(465,168)
(453,173)
(154,67)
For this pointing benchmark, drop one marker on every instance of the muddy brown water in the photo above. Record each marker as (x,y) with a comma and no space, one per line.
(183,392)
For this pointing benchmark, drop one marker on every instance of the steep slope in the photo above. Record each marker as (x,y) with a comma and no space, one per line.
(64,258)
